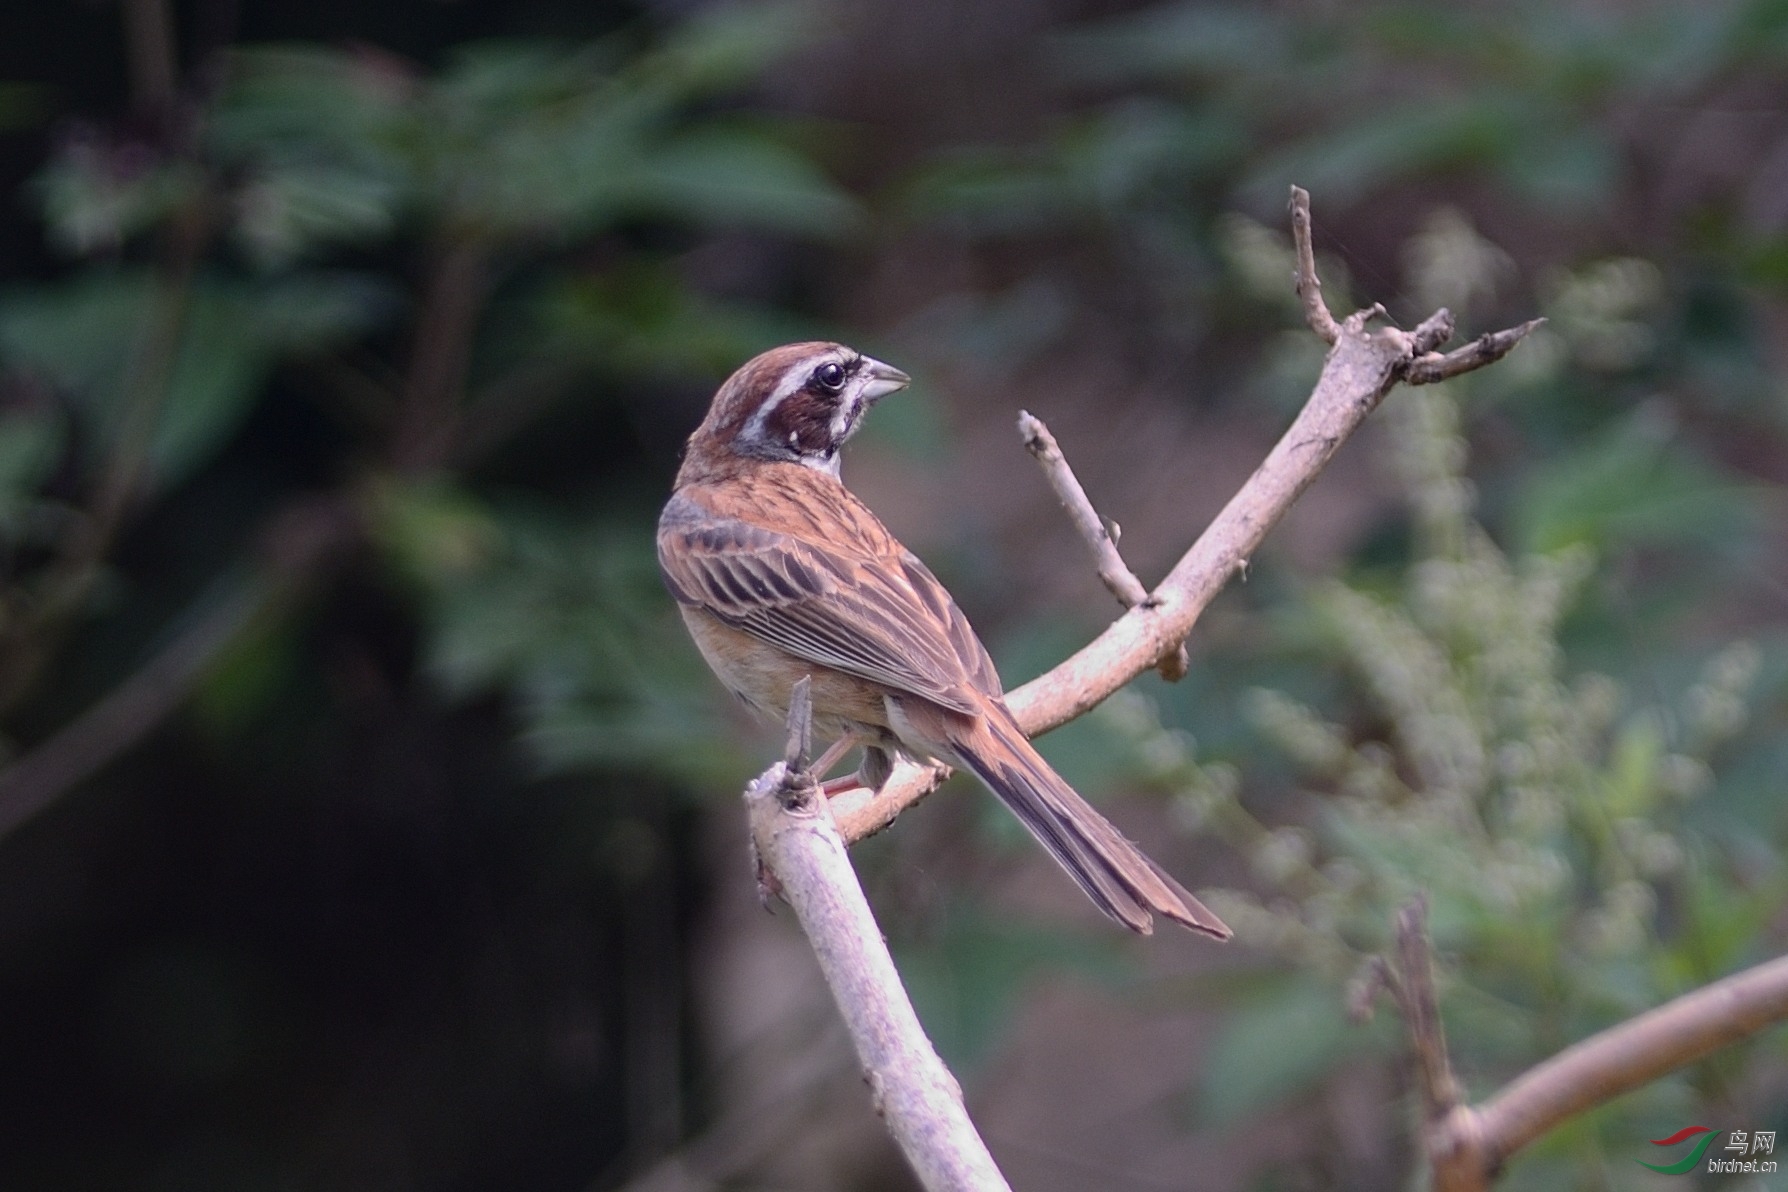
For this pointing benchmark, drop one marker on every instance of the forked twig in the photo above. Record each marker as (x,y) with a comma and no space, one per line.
(1468,1145)
(1485,349)
(1114,573)
(1309,286)
(1364,362)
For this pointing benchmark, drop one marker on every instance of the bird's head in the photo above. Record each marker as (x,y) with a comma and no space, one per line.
(798,403)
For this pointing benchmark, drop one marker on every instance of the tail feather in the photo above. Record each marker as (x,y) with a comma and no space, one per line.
(1115,874)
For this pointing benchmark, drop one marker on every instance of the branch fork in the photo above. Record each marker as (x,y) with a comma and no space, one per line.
(1467,1145)
(1364,363)
(1099,533)
(797,840)
(800,837)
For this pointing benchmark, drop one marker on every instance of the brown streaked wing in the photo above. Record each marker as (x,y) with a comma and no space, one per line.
(962,635)
(853,614)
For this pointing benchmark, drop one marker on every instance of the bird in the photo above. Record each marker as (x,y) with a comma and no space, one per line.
(780,573)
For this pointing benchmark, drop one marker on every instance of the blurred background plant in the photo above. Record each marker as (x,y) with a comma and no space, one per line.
(1555,822)
(366,820)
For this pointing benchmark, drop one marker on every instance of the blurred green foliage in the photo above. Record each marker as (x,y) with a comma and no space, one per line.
(289,235)
(565,619)
(1520,698)
(395,358)
(1566,828)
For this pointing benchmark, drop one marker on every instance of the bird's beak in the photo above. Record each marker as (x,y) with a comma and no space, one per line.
(883,379)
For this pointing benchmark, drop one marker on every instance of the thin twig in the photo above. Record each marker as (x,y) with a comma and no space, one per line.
(1421,1011)
(1114,573)
(1471,1145)
(149,45)
(794,836)
(1309,286)
(1485,349)
(800,726)
(1378,977)
(1363,364)
(429,413)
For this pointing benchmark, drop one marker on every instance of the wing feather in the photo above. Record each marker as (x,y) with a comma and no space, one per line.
(887,620)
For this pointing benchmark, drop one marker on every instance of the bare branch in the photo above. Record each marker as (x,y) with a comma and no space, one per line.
(800,725)
(429,413)
(792,825)
(1485,349)
(1362,366)
(1472,1145)
(1113,572)
(1414,990)
(795,838)
(1429,334)
(1467,1146)
(795,835)
(1378,977)
(1448,1129)
(1309,286)
(149,44)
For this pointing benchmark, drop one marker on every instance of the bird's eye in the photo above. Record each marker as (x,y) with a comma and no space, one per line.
(829,377)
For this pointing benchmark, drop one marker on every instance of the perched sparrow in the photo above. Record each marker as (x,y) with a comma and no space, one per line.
(780,572)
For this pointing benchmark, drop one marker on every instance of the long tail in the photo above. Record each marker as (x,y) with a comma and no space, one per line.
(1115,874)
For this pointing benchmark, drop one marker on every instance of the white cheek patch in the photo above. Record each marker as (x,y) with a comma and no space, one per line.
(845,420)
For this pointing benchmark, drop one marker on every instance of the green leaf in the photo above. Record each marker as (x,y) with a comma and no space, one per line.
(96,196)
(1371,152)
(735,176)
(95,337)
(287,210)
(515,139)
(640,317)
(567,622)
(1175,42)
(998,191)
(1631,780)
(730,44)
(1568,171)
(437,535)
(309,104)
(31,439)
(245,679)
